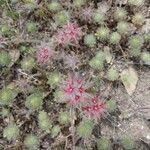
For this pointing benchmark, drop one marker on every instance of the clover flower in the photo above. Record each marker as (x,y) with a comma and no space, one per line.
(44,54)
(75,89)
(69,34)
(96,109)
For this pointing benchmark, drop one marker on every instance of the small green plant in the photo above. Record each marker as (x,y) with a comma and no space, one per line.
(34,101)
(103,143)
(31,27)
(98,17)
(102,33)
(111,106)
(115,38)
(147,37)
(54,78)
(55,131)
(44,121)
(54,6)
(90,40)
(97,62)
(128,143)
(138,19)
(28,63)
(64,118)
(5,112)
(62,17)
(136,2)
(135,44)
(112,74)
(5,30)
(85,128)
(5,58)
(31,142)
(120,14)
(59,96)
(145,57)
(11,132)
(123,27)
(79,3)
(7,96)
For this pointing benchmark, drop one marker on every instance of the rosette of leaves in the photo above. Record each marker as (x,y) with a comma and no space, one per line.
(97,62)
(54,6)
(111,106)
(112,74)
(11,132)
(85,128)
(90,40)
(64,118)
(128,143)
(7,96)
(54,79)
(103,143)
(31,142)
(34,101)
(5,58)
(55,131)
(62,17)
(145,56)
(28,63)
(44,121)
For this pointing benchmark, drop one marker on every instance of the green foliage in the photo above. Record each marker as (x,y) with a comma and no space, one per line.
(85,128)
(135,42)
(102,33)
(31,142)
(138,19)
(97,62)
(145,57)
(62,18)
(44,121)
(28,63)
(59,96)
(103,143)
(111,106)
(5,58)
(5,112)
(123,27)
(120,14)
(7,96)
(31,27)
(11,132)
(79,3)
(54,6)
(54,79)
(147,37)
(136,2)
(112,74)
(128,143)
(115,38)
(34,101)
(64,118)
(5,30)
(98,17)
(55,131)
(90,40)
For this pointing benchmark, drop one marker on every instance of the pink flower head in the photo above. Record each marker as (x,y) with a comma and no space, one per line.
(96,109)
(75,90)
(69,34)
(44,54)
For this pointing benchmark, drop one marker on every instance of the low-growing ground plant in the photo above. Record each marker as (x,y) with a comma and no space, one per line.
(70,72)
